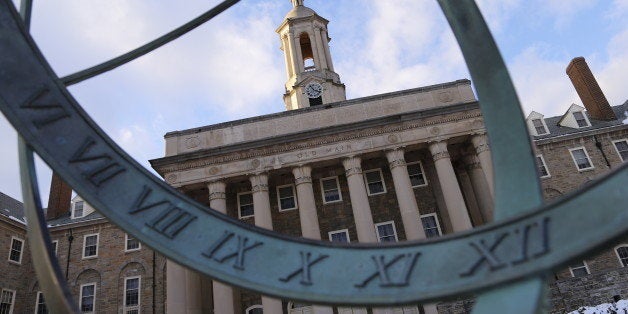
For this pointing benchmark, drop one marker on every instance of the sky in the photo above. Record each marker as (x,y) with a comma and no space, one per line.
(232,68)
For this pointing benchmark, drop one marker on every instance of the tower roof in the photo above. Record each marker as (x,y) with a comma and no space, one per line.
(299,10)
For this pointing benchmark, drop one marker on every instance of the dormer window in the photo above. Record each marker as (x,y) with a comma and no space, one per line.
(580,119)
(539,127)
(77,211)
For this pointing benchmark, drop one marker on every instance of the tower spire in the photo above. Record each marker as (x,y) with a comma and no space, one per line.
(296,3)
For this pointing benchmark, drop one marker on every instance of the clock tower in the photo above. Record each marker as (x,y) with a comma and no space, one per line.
(309,68)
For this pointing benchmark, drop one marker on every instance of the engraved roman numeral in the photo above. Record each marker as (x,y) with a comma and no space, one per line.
(305,270)
(169,222)
(103,171)
(382,270)
(525,235)
(51,107)
(486,255)
(237,253)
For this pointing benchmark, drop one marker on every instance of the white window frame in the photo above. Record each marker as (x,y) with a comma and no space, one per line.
(337,187)
(544,164)
(55,247)
(422,173)
(352,310)
(139,295)
(240,209)
(386,223)
(586,119)
(542,124)
(81,296)
(252,307)
(85,242)
(440,231)
(126,244)
(345,231)
(617,253)
(37,304)
(571,150)
(617,150)
(19,261)
(299,310)
(294,195)
(74,209)
(586,267)
(381,177)
(12,298)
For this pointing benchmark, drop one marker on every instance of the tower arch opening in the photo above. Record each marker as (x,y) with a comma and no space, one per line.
(306,52)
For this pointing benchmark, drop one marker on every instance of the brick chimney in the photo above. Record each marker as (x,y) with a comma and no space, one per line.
(589,91)
(60,198)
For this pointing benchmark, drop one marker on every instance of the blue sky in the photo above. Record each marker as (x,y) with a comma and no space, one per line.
(232,68)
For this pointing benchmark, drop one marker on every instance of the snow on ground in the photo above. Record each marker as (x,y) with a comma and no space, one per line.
(621,307)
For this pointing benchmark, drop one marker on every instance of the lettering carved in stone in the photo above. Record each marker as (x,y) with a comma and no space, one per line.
(305,269)
(382,268)
(51,108)
(238,252)
(104,168)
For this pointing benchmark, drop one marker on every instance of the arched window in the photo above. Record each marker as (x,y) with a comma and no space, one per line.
(255,309)
(306,52)
(622,254)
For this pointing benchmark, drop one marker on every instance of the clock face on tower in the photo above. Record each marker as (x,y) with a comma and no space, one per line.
(313,90)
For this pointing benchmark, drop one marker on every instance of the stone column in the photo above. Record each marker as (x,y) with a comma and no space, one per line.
(298,65)
(320,48)
(449,184)
(263,218)
(223,294)
(480,187)
(480,142)
(175,289)
(287,55)
(308,215)
(359,200)
(327,53)
(315,55)
(405,195)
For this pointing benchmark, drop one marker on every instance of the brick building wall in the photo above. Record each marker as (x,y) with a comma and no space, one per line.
(17,277)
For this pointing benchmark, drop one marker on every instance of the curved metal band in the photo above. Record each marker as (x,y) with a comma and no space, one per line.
(41,109)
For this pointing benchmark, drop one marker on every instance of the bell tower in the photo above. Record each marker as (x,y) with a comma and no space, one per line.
(309,68)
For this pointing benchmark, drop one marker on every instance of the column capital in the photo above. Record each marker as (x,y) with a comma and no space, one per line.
(353,165)
(302,174)
(439,150)
(480,142)
(259,182)
(471,162)
(396,158)
(216,190)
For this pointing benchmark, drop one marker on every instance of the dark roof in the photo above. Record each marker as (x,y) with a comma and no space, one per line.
(11,208)
(65,219)
(557,130)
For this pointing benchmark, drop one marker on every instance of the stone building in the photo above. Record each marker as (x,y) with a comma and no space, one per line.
(398,166)
(107,270)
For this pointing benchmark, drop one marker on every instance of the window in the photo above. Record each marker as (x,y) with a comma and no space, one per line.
(431,225)
(55,247)
(90,245)
(255,309)
(622,149)
(132,295)
(330,189)
(581,158)
(88,298)
(374,182)
(539,127)
(285,197)
(40,304)
(579,269)
(341,236)
(351,310)
(622,254)
(77,212)
(131,243)
(417,178)
(6,301)
(17,245)
(386,231)
(540,162)
(296,308)
(580,119)
(245,205)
